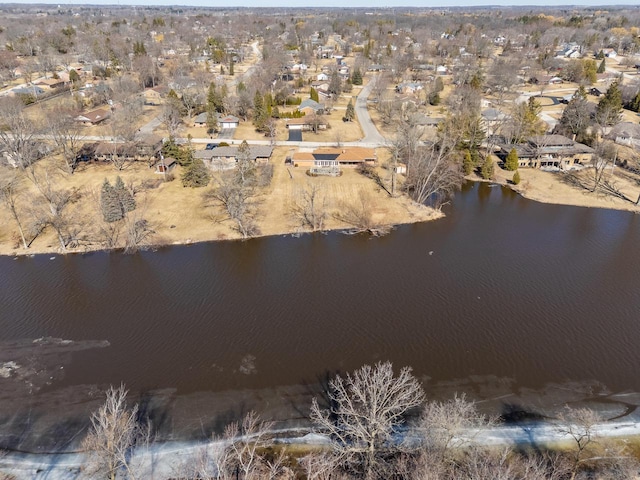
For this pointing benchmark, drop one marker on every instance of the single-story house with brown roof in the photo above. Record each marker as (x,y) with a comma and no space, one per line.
(93,117)
(328,156)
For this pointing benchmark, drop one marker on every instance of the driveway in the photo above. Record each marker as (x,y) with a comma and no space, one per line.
(226,133)
(371,133)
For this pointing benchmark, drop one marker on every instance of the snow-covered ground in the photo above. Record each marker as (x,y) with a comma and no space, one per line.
(169,460)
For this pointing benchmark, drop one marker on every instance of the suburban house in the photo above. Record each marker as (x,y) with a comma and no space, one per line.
(492,119)
(225,158)
(409,88)
(146,149)
(54,83)
(27,90)
(549,151)
(306,124)
(309,107)
(330,157)
(422,120)
(625,133)
(93,117)
(226,121)
(200,120)
(155,95)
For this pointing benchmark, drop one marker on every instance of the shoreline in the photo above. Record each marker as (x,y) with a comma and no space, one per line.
(166,459)
(21,253)
(526,190)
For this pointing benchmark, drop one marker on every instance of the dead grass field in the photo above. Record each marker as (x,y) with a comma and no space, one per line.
(560,188)
(178,215)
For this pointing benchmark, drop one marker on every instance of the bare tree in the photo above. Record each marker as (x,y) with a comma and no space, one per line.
(17,132)
(433,175)
(239,205)
(67,136)
(138,230)
(310,207)
(9,194)
(578,424)
(171,117)
(272,126)
(114,434)
(248,438)
(452,424)
(603,158)
(56,200)
(320,466)
(363,411)
(358,215)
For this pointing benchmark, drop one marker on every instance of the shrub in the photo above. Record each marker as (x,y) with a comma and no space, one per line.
(516,178)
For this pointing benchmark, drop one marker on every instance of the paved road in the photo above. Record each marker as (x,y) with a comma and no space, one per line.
(371,134)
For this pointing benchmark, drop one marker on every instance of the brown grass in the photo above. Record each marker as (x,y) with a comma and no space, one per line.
(178,215)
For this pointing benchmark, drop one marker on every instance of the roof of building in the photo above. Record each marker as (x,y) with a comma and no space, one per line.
(94,116)
(346,154)
(625,129)
(309,103)
(255,151)
(552,145)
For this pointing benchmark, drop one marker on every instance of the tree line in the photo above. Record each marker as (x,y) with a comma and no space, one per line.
(376,424)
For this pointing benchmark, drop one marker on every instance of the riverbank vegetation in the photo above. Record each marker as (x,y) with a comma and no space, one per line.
(373,423)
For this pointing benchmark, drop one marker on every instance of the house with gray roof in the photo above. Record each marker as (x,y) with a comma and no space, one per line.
(625,133)
(225,158)
(549,151)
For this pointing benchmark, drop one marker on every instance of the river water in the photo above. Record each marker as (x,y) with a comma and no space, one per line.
(501,296)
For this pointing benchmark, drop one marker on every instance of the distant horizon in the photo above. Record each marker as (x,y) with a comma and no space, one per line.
(372,4)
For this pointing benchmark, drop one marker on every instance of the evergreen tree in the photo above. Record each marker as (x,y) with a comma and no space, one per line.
(356,76)
(139,49)
(183,155)
(350,113)
(434,98)
(468,165)
(601,67)
(511,162)
(212,120)
(634,105)
(589,70)
(486,171)
(260,114)
(231,68)
(196,174)
(110,203)
(610,106)
(516,178)
(127,202)
(73,76)
(313,94)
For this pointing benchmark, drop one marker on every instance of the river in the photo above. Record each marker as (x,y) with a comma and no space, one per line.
(501,297)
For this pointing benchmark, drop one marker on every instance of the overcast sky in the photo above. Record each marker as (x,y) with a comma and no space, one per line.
(331,3)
